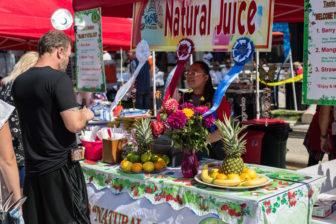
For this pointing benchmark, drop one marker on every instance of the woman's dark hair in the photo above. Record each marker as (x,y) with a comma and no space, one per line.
(209,90)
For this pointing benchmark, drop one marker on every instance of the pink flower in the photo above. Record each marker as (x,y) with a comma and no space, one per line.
(177,120)
(201,109)
(170,105)
(209,121)
(187,105)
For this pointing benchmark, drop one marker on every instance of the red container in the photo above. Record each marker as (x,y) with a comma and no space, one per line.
(253,147)
(93,150)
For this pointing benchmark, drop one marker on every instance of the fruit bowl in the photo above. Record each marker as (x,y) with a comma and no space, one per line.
(248,179)
(146,163)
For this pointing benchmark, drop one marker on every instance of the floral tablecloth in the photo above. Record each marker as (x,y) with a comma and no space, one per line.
(288,199)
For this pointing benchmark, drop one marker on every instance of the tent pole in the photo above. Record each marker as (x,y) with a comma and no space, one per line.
(293,83)
(121,66)
(257,86)
(154,84)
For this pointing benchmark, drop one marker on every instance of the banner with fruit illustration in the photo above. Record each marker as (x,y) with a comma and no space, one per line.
(167,192)
(209,24)
(89,70)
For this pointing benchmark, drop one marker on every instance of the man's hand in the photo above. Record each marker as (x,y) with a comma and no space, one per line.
(88,114)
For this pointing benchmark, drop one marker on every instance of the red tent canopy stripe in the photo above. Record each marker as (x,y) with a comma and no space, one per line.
(20,28)
(284,10)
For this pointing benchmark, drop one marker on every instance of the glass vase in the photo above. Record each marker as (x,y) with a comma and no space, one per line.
(189,165)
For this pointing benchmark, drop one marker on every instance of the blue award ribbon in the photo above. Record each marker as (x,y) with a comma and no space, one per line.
(242,52)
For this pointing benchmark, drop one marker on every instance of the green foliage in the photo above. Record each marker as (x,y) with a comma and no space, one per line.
(232,137)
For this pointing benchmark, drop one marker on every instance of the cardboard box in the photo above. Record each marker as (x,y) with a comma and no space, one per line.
(323,208)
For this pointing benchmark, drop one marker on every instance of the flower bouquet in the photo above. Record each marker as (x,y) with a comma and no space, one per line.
(187,129)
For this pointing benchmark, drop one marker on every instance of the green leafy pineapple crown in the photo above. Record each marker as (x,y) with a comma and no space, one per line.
(232,137)
(143,134)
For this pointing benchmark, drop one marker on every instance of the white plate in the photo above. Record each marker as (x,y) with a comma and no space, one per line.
(199,180)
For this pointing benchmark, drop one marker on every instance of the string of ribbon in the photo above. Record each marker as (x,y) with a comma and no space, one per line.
(242,53)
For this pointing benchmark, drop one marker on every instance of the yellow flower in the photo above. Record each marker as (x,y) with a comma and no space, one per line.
(202,98)
(188,112)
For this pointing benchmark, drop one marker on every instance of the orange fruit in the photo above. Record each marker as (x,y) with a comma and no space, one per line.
(136,167)
(159,165)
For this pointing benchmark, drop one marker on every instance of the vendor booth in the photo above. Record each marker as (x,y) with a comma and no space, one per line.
(141,187)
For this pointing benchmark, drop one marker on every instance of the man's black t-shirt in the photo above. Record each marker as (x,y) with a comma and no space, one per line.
(40,94)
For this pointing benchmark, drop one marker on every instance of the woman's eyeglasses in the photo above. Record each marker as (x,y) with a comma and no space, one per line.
(193,74)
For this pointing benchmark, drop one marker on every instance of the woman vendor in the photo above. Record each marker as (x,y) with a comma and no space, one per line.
(199,80)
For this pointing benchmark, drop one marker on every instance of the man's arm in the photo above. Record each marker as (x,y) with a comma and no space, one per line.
(8,166)
(75,120)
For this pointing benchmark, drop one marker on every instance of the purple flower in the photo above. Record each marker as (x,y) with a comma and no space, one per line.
(177,120)
(187,105)
(209,121)
(201,109)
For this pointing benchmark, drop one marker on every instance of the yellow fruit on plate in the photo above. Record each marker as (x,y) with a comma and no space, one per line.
(136,167)
(227,183)
(244,177)
(205,175)
(214,173)
(221,176)
(148,167)
(126,165)
(160,164)
(255,182)
(252,173)
(245,169)
(233,176)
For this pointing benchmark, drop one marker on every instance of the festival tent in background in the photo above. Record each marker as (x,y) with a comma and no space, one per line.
(288,11)
(20,28)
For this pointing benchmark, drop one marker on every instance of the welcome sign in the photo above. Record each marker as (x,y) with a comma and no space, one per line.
(90,72)
(210,24)
(319,53)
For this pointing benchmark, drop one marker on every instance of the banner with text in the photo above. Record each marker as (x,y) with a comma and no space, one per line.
(319,53)
(89,51)
(210,24)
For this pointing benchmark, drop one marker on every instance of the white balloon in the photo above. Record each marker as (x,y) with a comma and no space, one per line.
(61,19)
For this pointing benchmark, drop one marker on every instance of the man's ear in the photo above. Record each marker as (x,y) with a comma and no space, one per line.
(59,52)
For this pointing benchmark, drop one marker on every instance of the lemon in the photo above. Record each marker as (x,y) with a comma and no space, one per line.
(252,174)
(244,177)
(126,165)
(214,173)
(148,167)
(233,176)
(245,169)
(221,176)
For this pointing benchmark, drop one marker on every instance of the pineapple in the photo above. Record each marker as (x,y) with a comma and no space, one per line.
(143,135)
(234,145)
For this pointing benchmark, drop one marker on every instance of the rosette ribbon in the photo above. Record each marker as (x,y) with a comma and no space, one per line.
(242,53)
(142,53)
(184,50)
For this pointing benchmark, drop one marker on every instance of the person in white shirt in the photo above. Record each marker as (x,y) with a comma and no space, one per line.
(8,166)
(216,73)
